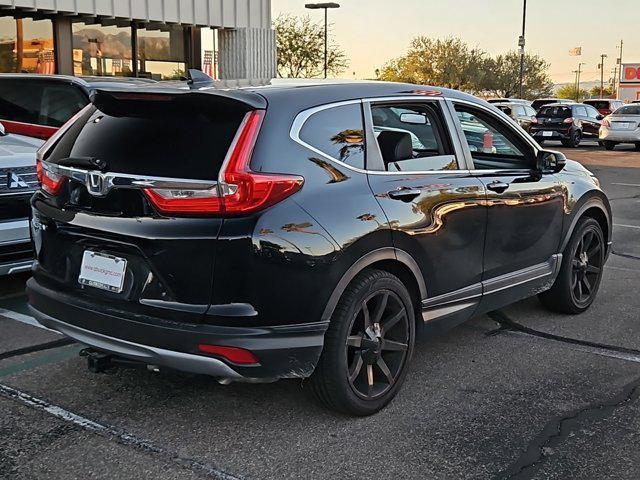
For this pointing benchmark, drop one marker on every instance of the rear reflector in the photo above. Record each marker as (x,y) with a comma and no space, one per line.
(240,190)
(232,354)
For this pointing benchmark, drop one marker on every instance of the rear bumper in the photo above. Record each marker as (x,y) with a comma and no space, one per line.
(622,136)
(290,351)
(15,247)
(538,134)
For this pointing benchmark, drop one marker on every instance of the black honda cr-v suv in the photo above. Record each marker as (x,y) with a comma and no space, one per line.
(302,231)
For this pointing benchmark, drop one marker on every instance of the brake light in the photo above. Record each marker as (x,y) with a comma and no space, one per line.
(606,122)
(232,354)
(568,120)
(240,191)
(49,181)
(534,120)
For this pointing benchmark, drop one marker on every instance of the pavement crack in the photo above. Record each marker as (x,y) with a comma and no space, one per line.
(507,324)
(36,348)
(558,430)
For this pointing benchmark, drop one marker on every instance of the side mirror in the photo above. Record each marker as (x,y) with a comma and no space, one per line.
(550,161)
(413,118)
(600,117)
(3,132)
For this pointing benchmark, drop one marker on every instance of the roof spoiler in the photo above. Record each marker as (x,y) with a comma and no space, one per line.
(118,101)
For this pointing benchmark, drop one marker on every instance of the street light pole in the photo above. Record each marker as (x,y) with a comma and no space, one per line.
(521,43)
(325,6)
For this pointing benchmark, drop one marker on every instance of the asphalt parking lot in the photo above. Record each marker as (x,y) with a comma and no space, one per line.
(524,394)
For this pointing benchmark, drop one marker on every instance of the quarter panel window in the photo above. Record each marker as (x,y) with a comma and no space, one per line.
(412,138)
(337,132)
(492,143)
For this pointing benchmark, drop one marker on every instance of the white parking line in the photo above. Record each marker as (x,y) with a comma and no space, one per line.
(626,226)
(110,432)
(21,317)
(627,184)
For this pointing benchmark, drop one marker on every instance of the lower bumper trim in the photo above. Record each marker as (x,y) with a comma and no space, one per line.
(143,353)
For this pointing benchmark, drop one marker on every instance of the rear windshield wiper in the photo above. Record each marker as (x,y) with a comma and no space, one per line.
(83,162)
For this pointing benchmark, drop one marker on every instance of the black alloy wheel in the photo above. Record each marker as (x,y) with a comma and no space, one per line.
(367,346)
(586,267)
(574,139)
(377,344)
(581,270)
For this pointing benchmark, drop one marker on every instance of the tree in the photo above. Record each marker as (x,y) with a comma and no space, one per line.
(452,63)
(504,80)
(568,91)
(448,63)
(608,92)
(300,44)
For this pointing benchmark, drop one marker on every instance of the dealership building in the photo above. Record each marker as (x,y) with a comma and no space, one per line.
(228,39)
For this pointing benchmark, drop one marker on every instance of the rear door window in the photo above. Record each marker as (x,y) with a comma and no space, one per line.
(581,111)
(39,102)
(419,131)
(592,112)
(337,132)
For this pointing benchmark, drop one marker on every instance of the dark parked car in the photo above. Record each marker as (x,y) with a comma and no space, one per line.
(541,102)
(567,123)
(37,105)
(291,232)
(606,106)
(523,114)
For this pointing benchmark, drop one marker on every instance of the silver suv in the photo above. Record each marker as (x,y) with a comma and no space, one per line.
(18,181)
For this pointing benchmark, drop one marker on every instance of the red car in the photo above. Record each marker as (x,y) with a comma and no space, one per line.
(606,106)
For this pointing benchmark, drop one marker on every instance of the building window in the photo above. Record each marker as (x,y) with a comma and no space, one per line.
(161,52)
(102,50)
(26,45)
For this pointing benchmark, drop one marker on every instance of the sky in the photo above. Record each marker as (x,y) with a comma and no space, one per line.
(374,31)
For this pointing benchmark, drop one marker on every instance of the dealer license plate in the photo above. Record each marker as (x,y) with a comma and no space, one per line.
(547,134)
(102,271)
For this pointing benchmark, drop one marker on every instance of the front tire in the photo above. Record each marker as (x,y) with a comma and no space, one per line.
(367,347)
(580,274)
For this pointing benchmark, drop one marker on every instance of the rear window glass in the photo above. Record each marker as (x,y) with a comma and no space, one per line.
(628,110)
(598,104)
(555,112)
(38,102)
(177,144)
(337,132)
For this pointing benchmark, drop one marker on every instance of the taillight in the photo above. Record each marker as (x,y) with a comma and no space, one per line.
(49,181)
(568,120)
(534,120)
(606,122)
(240,191)
(232,354)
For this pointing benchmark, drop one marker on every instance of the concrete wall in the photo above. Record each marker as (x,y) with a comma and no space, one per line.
(212,13)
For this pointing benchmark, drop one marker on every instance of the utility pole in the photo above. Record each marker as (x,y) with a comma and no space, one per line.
(521,43)
(601,66)
(578,72)
(326,6)
(617,86)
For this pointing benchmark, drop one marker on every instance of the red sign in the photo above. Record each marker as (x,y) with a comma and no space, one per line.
(630,73)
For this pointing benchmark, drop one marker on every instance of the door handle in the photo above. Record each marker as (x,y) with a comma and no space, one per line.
(498,186)
(405,194)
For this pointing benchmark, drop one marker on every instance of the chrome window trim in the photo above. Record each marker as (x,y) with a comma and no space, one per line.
(302,117)
(108,180)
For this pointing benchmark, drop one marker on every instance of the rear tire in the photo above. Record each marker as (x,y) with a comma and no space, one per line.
(638,146)
(574,140)
(367,347)
(580,274)
(609,145)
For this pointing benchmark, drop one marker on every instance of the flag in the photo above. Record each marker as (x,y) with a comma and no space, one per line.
(575,52)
